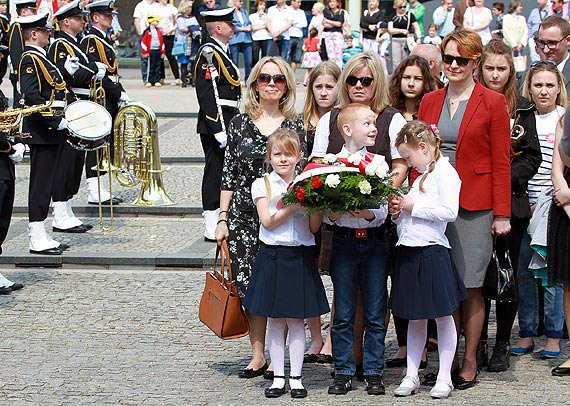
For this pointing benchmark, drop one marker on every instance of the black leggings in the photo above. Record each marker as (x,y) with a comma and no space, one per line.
(168,44)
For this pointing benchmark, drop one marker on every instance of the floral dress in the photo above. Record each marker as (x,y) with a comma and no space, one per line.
(243,163)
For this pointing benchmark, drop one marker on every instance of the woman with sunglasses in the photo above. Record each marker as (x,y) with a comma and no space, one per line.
(474,124)
(362,81)
(269,105)
(544,85)
(402,24)
(496,72)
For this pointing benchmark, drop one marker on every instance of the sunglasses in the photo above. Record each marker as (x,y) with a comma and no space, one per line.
(265,79)
(460,60)
(540,63)
(364,81)
(548,44)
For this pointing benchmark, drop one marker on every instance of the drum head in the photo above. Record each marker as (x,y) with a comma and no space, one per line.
(88,120)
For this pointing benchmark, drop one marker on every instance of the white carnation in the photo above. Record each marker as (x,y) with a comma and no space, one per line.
(329,159)
(354,158)
(365,187)
(332,180)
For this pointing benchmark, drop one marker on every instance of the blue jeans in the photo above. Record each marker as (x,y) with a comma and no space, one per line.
(528,299)
(283,46)
(245,49)
(359,264)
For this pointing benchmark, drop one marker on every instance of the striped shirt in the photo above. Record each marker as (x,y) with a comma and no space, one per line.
(545,127)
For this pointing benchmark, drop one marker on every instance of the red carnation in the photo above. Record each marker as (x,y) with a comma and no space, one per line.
(300,194)
(316,182)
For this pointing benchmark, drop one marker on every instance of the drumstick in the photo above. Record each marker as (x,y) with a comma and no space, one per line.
(81,116)
(85,67)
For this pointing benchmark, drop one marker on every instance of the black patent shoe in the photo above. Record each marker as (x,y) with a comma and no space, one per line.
(249,373)
(461,383)
(268,375)
(275,392)
(431,378)
(310,358)
(396,362)
(561,371)
(297,393)
(499,361)
(482,355)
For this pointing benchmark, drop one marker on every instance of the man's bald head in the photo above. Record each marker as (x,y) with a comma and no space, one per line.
(432,54)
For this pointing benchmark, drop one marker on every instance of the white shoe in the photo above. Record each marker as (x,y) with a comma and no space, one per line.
(410,385)
(210,223)
(93,189)
(71,214)
(442,389)
(39,240)
(61,220)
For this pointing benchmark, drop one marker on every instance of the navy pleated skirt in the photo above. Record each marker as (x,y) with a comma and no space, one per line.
(285,283)
(426,284)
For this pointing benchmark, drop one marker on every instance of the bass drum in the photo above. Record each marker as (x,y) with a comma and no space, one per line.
(89,125)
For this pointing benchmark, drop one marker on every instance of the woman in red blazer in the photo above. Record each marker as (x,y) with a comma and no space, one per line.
(474,124)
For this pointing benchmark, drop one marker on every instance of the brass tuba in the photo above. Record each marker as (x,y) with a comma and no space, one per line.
(137,155)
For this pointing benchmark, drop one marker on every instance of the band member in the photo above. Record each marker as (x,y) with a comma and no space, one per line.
(218,88)
(41,83)
(24,8)
(78,72)
(4,29)
(99,48)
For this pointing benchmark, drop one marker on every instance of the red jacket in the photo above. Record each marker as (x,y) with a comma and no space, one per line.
(483,148)
(145,43)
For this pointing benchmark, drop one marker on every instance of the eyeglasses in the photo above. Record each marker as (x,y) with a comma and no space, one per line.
(460,60)
(364,81)
(265,79)
(549,44)
(539,63)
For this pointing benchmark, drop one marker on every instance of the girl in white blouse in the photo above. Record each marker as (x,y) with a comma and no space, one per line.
(425,284)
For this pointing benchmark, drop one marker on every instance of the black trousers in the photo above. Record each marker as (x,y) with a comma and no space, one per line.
(212,180)
(3,66)
(154,66)
(68,172)
(168,44)
(7,191)
(43,163)
(256,48)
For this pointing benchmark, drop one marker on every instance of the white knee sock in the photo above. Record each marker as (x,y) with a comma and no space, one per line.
(276,344)
(417,335)
(446,345)
(296,350)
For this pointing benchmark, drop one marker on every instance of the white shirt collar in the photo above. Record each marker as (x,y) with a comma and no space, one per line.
(39,49)
(221,44)
(346,152)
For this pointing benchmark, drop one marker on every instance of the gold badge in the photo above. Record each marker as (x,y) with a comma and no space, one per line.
(91,50)
(62,55)
(204,66)
(29,69)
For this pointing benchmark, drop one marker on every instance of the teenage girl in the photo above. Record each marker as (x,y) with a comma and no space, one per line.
(426,284)
(285,285)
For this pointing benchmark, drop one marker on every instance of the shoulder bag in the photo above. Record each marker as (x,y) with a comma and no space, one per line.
(220,306)
(410,38)
(346,28)
(499,281)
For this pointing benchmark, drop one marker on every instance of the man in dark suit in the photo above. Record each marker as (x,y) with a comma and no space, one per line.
(41,83)
(211,127)
(24,8)
(100,49)
(78,73)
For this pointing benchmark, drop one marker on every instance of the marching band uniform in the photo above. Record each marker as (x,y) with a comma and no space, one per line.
(64,52)
(100,49)
(16,45)
(4,29)
(41,81)
(211,129)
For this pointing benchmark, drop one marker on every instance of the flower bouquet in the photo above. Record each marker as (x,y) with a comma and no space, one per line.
(343,184)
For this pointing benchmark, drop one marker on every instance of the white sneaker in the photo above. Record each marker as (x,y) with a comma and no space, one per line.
(410,385)
(442,389)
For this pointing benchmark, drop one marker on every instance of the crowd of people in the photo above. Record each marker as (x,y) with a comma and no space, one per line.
(475,138)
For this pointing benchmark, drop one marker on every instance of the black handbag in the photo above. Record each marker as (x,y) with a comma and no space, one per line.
(323,51)
(499,281)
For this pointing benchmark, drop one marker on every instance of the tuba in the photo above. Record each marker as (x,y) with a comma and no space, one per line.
(136,154)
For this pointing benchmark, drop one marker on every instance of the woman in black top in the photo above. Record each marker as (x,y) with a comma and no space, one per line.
(402,24)
(369,25)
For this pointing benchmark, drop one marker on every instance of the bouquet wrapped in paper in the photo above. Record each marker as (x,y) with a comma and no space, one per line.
(343,184)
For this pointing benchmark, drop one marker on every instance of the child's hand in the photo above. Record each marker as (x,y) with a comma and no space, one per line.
(362,214)
(334,216)
(394,205)
(407,203)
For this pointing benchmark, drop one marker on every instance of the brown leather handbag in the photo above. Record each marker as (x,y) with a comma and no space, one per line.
(220,306)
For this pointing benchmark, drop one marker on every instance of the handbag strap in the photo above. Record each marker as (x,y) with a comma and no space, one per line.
(224,253)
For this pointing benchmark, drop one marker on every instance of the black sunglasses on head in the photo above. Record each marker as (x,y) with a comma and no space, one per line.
(364,81)
(265,79)
(545,62)
(460,60)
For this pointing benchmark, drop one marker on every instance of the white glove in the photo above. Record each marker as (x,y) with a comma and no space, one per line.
(62,124)
(222,138)
(124,99)
(101,70)
(71,65)
(17,156)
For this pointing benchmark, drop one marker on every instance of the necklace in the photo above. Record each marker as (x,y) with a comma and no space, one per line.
(464,95)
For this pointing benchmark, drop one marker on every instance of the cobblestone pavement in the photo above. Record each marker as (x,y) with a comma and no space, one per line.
(93,337)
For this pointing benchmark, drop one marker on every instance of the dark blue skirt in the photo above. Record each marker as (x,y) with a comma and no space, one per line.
(426,284)
(285,283)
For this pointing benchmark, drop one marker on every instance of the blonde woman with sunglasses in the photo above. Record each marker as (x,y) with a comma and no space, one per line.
(474,124)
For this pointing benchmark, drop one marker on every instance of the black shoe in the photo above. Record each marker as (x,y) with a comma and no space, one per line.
(16,286)
(341,385)
(461,383)
(297,393)
(275,392)
(424,364)
(310,358)
(482,355)
(252,373)
(324,358)
(431,378)
(5,290)
(499,361)
(359,374)
(268,375)
(50,251)
(561,371)
(374,385)
(116,201)
(77,229)
(396,362)
(63,247)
